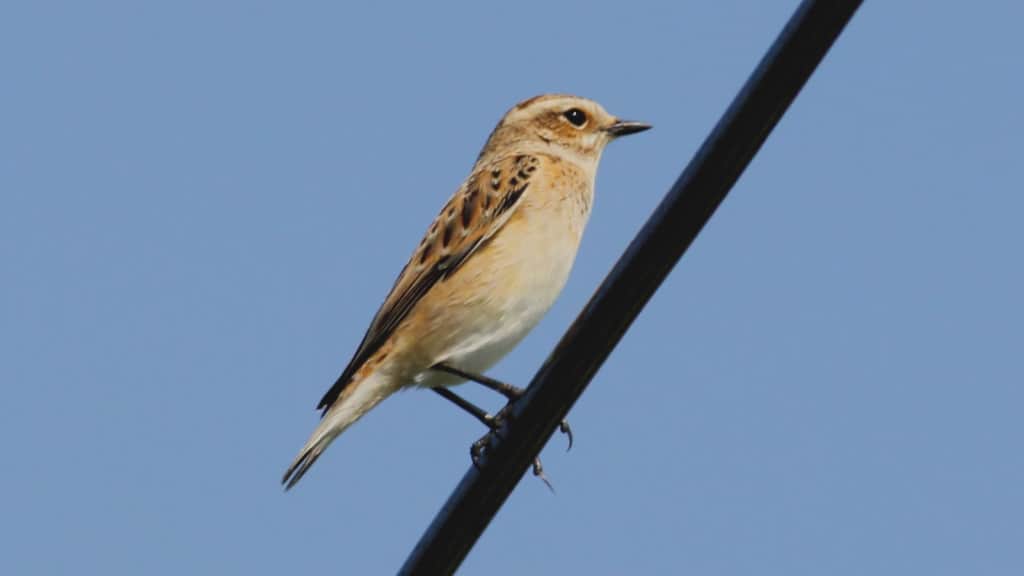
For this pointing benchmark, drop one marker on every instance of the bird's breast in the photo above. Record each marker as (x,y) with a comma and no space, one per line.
(505,289)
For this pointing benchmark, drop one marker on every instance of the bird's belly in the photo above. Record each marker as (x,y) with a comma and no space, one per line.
(487,338)
(512,287)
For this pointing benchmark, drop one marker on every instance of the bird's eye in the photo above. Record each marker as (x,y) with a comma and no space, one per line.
(575,116)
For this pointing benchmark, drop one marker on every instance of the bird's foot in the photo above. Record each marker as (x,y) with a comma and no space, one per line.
(512,393)
(478,450)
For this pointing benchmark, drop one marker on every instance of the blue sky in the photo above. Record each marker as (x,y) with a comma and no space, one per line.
(202,205)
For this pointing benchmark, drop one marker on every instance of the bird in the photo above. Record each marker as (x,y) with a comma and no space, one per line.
(487,270)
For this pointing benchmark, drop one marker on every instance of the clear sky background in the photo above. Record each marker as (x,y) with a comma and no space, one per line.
(203,203)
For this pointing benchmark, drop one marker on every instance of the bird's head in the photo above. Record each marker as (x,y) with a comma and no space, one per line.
(577,125)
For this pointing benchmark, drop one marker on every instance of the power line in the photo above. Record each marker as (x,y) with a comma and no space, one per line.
(689,204)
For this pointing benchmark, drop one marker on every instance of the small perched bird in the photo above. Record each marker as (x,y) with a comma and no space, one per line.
(490,266)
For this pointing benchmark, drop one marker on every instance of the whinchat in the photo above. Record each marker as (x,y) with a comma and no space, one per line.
(490,266)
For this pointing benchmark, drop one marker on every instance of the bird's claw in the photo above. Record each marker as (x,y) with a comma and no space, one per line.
(564,428)
(477,449)
(538,471)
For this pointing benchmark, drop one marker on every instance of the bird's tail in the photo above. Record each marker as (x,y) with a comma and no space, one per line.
(354,401)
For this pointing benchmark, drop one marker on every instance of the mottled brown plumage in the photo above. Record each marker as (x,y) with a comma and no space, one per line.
(449,242)
(489,266)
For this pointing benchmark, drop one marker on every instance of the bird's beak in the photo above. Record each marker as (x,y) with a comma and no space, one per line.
(624,127)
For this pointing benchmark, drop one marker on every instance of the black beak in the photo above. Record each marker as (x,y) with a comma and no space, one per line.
(624,127)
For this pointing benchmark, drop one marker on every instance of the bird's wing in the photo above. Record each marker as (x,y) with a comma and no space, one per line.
(471,217)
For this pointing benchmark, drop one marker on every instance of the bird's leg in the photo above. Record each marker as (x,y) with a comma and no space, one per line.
(512,393)
(507,390)
(493,423)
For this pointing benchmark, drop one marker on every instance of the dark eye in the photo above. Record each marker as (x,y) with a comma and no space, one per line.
(575,116)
